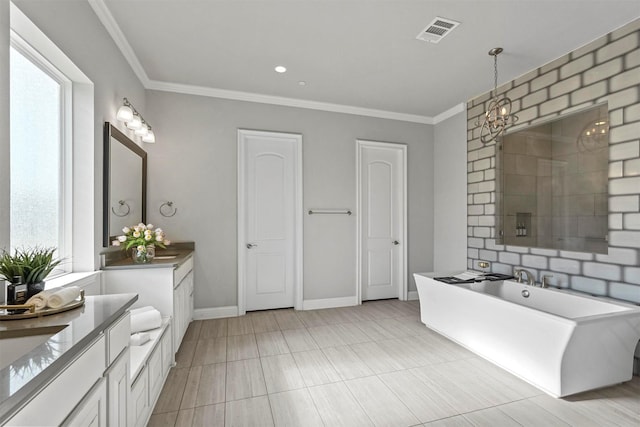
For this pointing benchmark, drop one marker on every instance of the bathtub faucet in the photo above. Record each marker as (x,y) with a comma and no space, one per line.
(530,278)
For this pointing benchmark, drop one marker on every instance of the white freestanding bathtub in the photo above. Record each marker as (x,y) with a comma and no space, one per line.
(558,341)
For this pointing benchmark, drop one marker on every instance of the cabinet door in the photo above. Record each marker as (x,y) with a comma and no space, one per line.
(186,297)
(118,389)
(182,307)
(156,377)
(178,308)
(92,411)
(140,400)
(167,353)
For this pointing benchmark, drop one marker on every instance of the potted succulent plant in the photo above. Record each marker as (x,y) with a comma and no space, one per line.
(32,265)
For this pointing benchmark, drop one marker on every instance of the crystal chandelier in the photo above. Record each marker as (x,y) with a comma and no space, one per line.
(498,116)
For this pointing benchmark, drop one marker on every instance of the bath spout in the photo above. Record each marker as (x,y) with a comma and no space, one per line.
(530,278)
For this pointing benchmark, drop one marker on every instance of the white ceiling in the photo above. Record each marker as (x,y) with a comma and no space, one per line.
(354,53)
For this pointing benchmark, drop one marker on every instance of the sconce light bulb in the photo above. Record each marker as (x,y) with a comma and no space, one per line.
(124,114)
(143,130)
(134,123)
(149,138)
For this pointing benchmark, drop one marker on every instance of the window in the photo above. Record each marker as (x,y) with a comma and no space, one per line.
(52,189)
(40,170)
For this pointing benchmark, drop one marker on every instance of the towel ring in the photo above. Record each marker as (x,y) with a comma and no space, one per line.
(170,205)
(121,203)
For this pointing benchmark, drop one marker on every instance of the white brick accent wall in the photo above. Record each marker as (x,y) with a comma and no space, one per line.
(605,70)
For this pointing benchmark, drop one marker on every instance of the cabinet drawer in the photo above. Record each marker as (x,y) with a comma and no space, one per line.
(140,399)
(118,337)
(182,271)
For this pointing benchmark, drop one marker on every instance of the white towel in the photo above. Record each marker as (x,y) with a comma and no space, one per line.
(145,321)
(139,338)
(41,299)
(136,311)
(60,298)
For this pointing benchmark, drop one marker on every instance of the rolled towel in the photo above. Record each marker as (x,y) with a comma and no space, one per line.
(145,321)
(139,338)
(136,311)
(41,299)
(63,296)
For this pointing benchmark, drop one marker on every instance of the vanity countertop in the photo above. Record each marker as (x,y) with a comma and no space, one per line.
(171,257)
(26,376)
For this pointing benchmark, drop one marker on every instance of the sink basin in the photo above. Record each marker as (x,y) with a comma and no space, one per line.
(17,343)
(166,255)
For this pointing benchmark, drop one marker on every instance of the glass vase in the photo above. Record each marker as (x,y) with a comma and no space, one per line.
(143,254)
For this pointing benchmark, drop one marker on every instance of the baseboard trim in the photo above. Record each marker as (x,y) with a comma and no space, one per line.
(310,304)
(315,304)
(215,312)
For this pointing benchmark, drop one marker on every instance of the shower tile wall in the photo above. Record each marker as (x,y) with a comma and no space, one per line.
(605,70)
(527,188)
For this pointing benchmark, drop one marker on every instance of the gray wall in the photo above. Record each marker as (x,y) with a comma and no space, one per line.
(607,69)
(194,164)
(450,202)
(75,29)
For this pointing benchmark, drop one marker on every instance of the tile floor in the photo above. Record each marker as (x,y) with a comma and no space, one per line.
(375,364)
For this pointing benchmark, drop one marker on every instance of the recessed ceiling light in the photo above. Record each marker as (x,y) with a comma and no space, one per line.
(280,69)
(302,83)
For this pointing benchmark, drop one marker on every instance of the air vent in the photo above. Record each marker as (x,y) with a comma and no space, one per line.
(437,30)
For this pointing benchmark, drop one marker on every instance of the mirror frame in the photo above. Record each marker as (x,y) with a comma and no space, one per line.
(110,134)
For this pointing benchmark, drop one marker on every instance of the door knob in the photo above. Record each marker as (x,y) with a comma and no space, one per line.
(396,243)
(251,245)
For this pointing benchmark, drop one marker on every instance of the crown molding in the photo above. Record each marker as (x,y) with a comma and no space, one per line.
(286,102)
(109,22)
(456,109)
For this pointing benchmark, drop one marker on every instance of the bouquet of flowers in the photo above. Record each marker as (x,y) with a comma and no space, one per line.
(140,236)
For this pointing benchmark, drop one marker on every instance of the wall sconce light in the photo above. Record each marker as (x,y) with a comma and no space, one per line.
(134,121)
(498,116)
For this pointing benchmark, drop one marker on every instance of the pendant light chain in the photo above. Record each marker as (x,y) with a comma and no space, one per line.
(495,75)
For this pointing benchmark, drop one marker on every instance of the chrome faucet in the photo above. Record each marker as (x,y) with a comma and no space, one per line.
(545,280)
(530,278)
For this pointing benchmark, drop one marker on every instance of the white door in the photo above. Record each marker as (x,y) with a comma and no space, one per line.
(382,189)
(269,194)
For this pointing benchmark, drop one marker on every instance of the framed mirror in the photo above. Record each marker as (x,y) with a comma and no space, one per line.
(124,183)
(552,190)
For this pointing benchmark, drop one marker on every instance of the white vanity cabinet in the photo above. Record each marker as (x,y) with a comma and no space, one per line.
(166,287)
(55,402)
(91,388)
